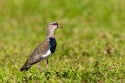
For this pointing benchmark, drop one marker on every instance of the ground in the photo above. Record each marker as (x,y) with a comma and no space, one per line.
(90,47)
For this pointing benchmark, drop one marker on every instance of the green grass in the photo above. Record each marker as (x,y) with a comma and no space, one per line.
(91,45)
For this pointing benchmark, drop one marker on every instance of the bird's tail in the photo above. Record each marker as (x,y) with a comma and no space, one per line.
(24,68)
(28,64)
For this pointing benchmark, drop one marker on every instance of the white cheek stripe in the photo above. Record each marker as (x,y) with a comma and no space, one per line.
(47,53)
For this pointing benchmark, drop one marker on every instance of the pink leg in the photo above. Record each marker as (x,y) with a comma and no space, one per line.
(39,67)
(47,64)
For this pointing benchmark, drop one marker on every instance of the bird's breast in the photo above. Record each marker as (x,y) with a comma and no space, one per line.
(52,44)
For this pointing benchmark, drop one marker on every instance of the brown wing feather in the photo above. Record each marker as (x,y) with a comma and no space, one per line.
(36,56)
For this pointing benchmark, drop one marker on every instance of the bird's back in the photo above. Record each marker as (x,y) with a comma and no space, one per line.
(37,54)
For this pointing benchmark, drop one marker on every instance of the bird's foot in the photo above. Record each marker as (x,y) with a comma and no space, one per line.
(39,67)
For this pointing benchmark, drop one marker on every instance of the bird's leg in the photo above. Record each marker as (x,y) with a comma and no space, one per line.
(39,67)
(47,64)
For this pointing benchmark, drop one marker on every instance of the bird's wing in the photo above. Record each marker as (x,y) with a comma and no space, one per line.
(39,51)
(36,56)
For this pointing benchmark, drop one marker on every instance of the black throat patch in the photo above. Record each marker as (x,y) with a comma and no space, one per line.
(52,44)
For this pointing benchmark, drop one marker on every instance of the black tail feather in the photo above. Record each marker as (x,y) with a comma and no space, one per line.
(24,68)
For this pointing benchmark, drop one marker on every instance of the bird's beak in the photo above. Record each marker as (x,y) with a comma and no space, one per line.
(59,26)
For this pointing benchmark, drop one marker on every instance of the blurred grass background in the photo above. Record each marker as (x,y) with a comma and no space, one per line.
(90,45)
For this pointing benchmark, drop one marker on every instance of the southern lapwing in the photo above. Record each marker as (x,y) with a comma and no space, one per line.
(43,50)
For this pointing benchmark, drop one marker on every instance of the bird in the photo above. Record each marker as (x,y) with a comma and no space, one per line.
(44,49)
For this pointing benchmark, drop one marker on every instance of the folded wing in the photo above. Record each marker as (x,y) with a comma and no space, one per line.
(36,56)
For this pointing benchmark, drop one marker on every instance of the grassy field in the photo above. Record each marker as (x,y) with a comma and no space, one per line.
(91,45)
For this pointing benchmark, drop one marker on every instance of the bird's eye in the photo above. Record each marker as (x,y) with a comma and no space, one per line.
(55,24)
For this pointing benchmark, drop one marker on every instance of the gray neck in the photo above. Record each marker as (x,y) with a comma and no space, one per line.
(50,33)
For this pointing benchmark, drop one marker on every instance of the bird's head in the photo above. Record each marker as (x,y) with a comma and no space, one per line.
(53,25)
(51,28)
